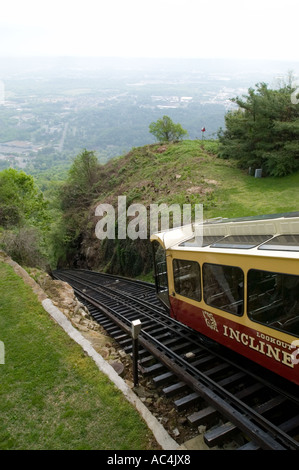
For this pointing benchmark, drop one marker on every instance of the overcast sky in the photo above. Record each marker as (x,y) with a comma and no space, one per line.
(262,29)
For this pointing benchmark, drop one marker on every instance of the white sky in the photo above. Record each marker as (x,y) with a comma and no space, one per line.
(262,29)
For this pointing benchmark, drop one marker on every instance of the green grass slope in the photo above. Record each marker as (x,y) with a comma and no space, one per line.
(52,396)
(190,172)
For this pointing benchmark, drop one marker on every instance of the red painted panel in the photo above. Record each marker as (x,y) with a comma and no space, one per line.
(267,350)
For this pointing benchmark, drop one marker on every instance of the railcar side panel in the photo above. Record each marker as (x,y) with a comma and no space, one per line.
(267,350)
(232,328)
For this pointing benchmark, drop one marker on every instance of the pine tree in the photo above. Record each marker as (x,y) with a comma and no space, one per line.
(264,131)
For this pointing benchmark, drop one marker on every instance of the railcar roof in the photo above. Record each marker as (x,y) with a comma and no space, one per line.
(265,235)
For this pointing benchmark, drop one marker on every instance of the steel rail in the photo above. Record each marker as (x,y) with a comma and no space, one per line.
(193,337)
(264,433)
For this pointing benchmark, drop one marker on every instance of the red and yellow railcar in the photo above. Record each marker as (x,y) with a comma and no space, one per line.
(237,283)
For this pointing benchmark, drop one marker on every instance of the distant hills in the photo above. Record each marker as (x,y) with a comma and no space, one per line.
(55,107)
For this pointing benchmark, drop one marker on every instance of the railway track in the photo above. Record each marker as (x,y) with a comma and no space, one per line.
(230,396)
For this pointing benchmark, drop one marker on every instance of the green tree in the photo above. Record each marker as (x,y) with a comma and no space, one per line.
(21,202)
(76,195)
(264,131)
(81,185)
(24,219)
(165,130)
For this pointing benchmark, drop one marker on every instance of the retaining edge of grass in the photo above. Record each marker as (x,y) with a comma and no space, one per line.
(159,432)
(162,437)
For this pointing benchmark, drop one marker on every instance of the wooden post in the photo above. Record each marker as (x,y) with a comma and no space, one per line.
(136,328)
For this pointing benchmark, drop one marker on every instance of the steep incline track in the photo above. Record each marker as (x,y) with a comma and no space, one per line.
(264,409)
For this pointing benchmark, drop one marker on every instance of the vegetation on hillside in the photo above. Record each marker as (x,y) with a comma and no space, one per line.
(24,218)
(75,196)
(187,172)
(21,201)
(56,227)
(264,131)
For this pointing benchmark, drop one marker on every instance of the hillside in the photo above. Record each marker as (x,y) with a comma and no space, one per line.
(183,172)
(53,395)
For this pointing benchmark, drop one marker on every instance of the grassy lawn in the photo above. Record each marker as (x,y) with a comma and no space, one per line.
(234,193)
(242,195)
(190,172)
(52,396)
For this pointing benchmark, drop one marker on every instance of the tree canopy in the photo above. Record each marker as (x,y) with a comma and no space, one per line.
(76,195)
(165,130)
(21,202)
(83,176)
(24,219)
(264,131)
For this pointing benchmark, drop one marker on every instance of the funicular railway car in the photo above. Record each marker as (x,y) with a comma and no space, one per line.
(238,284)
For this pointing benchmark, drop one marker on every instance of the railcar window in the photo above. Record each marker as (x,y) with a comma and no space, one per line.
(160,267)
(223,287)
(206,240)
(273,300)
(282,243)
(187,278)
(241,241)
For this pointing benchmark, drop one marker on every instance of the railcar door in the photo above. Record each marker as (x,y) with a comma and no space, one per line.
(161,278)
